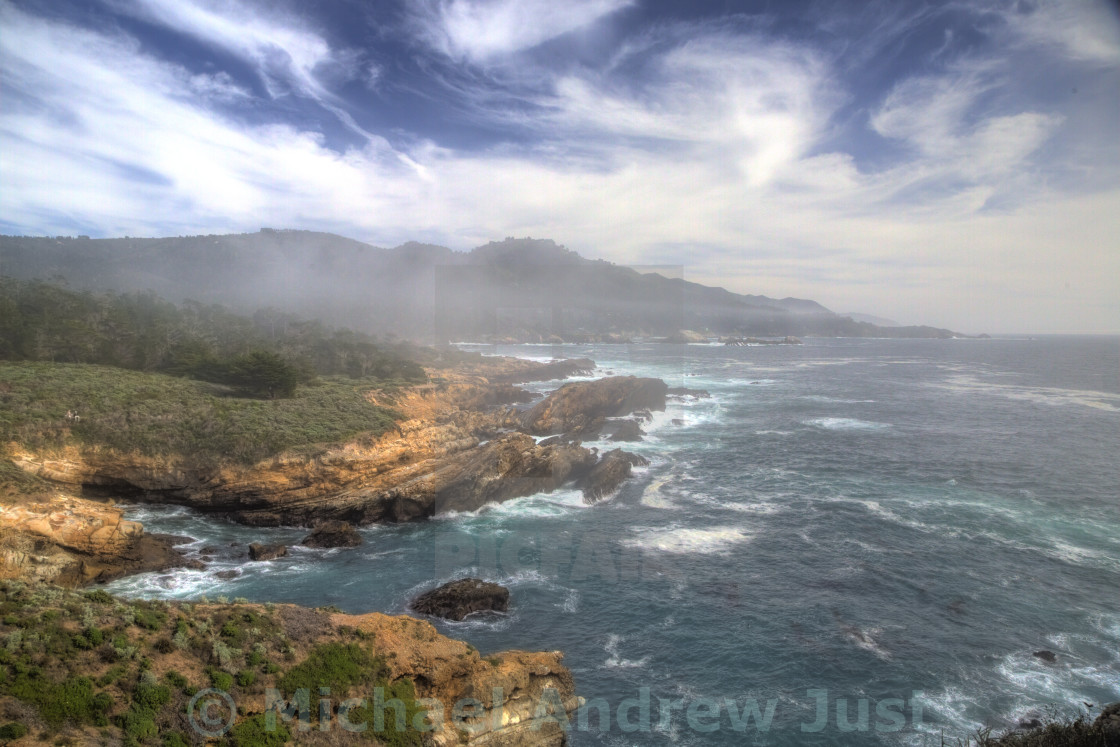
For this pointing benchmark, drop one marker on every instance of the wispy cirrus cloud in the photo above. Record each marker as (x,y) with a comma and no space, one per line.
(1086,32)
(708,144)
(482,30)
(287,56)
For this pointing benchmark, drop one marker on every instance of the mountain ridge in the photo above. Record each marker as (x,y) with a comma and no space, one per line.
(520,289)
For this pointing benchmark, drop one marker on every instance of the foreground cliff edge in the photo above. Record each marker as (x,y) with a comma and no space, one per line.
(92,669)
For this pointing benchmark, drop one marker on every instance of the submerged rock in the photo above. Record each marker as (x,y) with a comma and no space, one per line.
(456,600)
(332,534)
(611,471)
(627,430)
(257,551)
(1047,656)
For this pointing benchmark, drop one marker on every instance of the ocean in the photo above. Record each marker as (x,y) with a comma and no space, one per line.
(851,541)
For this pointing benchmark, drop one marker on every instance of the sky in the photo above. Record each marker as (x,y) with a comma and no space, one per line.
(946,163)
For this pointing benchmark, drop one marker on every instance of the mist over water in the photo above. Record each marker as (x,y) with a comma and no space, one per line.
(870,518)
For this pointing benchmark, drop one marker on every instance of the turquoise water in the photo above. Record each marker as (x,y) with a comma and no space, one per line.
(896,522)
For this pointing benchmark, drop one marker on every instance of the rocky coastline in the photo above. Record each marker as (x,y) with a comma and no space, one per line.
(468,438)
(464,440)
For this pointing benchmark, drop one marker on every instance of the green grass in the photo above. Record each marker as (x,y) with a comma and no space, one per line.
(161,415)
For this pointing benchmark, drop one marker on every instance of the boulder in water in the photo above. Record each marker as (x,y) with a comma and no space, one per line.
(332,534)
(456,600)
(257,551)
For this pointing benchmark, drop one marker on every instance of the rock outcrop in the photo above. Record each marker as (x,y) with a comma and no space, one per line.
(1109,724)
(70,541)
(582,407)
(449,670)
(332,534)
(627,430)
(257,551)
(609,474)
(456,600)
(531,371)
(457,447)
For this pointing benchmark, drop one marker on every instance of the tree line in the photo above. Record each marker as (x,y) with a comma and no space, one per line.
(267,354)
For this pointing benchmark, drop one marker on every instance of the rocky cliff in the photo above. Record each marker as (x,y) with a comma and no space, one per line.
(70,541)
(514,687)
(100,670)
(460,445)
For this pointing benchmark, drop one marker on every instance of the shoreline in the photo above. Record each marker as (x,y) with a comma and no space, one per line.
(468,438)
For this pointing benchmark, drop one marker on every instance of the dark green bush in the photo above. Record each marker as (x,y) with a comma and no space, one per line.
(177,680)
(335,665)
(220,680)
(100,596)
(151,697)
(13,730)
(253,732)
(175,739)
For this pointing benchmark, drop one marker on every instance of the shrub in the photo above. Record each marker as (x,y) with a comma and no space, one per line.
(253,732)
(151,697)
(334,665)
(176,680)
(12,730)
(220,680)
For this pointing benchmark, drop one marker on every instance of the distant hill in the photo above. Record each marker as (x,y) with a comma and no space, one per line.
(522,289)
(872,319)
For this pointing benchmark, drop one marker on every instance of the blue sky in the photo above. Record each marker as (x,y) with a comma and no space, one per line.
(950,163)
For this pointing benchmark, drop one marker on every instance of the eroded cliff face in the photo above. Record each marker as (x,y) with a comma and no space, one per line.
(523,694)
(69,541)
(461,445)
(276,651)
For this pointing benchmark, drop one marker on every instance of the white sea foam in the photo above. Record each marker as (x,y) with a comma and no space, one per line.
(654,495)
(950,706)
(1054,396)
(571,602)
(176,584)
(835,400)
(846,424)
(757,509)
(615,660)
(686,541)
(541,505)
(865,639)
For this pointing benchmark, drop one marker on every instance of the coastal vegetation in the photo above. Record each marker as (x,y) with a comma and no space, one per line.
(93,668)
(54,405)
(133,373)
(1054,731)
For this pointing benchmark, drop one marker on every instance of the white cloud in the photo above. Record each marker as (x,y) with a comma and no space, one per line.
(482,30)
(714,162)
(1082,30)
(220,87)
(285,55)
